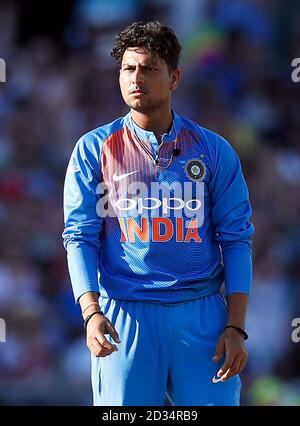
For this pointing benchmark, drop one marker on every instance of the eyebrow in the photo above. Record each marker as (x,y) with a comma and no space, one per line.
(146,64)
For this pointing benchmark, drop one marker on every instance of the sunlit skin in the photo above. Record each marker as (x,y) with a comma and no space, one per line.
(146,86)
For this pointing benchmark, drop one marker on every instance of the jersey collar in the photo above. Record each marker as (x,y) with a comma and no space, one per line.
(150,136)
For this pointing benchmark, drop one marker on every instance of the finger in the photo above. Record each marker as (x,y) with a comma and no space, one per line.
(105,343)
(112,331)
(243,365)
(243,357)
(97,349)
(233,370)
(101,350)
(220,349)
(227,364)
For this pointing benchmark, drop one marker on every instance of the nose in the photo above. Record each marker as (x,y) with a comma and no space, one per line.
(137,77)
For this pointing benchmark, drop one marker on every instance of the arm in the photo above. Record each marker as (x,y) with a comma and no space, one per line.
(231,212)
(237,309)
(82,224)
(82,240)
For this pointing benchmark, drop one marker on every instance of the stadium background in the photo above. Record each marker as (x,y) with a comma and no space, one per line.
(62,82)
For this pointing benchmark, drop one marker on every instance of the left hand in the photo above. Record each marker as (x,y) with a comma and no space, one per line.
(232,343)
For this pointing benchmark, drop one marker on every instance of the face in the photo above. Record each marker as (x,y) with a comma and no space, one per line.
(145,81)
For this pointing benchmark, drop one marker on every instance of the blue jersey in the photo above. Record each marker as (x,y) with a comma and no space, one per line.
(159,222)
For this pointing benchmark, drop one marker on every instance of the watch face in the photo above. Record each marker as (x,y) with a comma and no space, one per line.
(195,170)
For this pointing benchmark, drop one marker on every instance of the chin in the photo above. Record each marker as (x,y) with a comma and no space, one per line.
(145,106)
(139,107)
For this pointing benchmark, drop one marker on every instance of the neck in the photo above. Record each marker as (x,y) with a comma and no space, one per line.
(155,122)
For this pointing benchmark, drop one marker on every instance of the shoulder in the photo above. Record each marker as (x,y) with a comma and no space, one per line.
(217,146)
(93,141)
(213,139)
(86,153)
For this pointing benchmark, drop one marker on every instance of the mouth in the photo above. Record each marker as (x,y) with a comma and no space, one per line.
(138,92)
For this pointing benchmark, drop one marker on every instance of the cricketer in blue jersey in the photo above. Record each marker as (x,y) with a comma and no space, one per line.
(156,219)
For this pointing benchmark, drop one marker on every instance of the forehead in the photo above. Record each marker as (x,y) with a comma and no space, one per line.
(139,55)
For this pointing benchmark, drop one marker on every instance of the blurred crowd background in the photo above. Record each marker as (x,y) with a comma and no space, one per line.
(62,82)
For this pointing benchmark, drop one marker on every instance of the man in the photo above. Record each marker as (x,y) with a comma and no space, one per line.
(157,217)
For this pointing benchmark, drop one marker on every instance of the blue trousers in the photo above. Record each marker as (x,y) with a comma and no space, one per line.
(164,350)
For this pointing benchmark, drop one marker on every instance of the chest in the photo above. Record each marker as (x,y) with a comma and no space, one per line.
(174,186)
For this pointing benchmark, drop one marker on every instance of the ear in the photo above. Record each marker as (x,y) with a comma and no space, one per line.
(175,78)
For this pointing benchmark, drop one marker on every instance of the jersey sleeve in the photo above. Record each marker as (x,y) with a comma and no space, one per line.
(81,236)
(231,212)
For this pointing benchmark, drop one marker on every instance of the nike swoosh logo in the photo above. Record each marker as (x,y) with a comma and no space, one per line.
(216,379)
(116,177)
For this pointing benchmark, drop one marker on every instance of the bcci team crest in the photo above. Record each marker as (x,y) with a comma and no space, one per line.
(195,170)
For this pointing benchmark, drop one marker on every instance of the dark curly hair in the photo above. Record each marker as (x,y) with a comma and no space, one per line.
(156,38)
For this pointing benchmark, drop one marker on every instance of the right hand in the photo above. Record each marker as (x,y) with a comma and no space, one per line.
(97,327)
